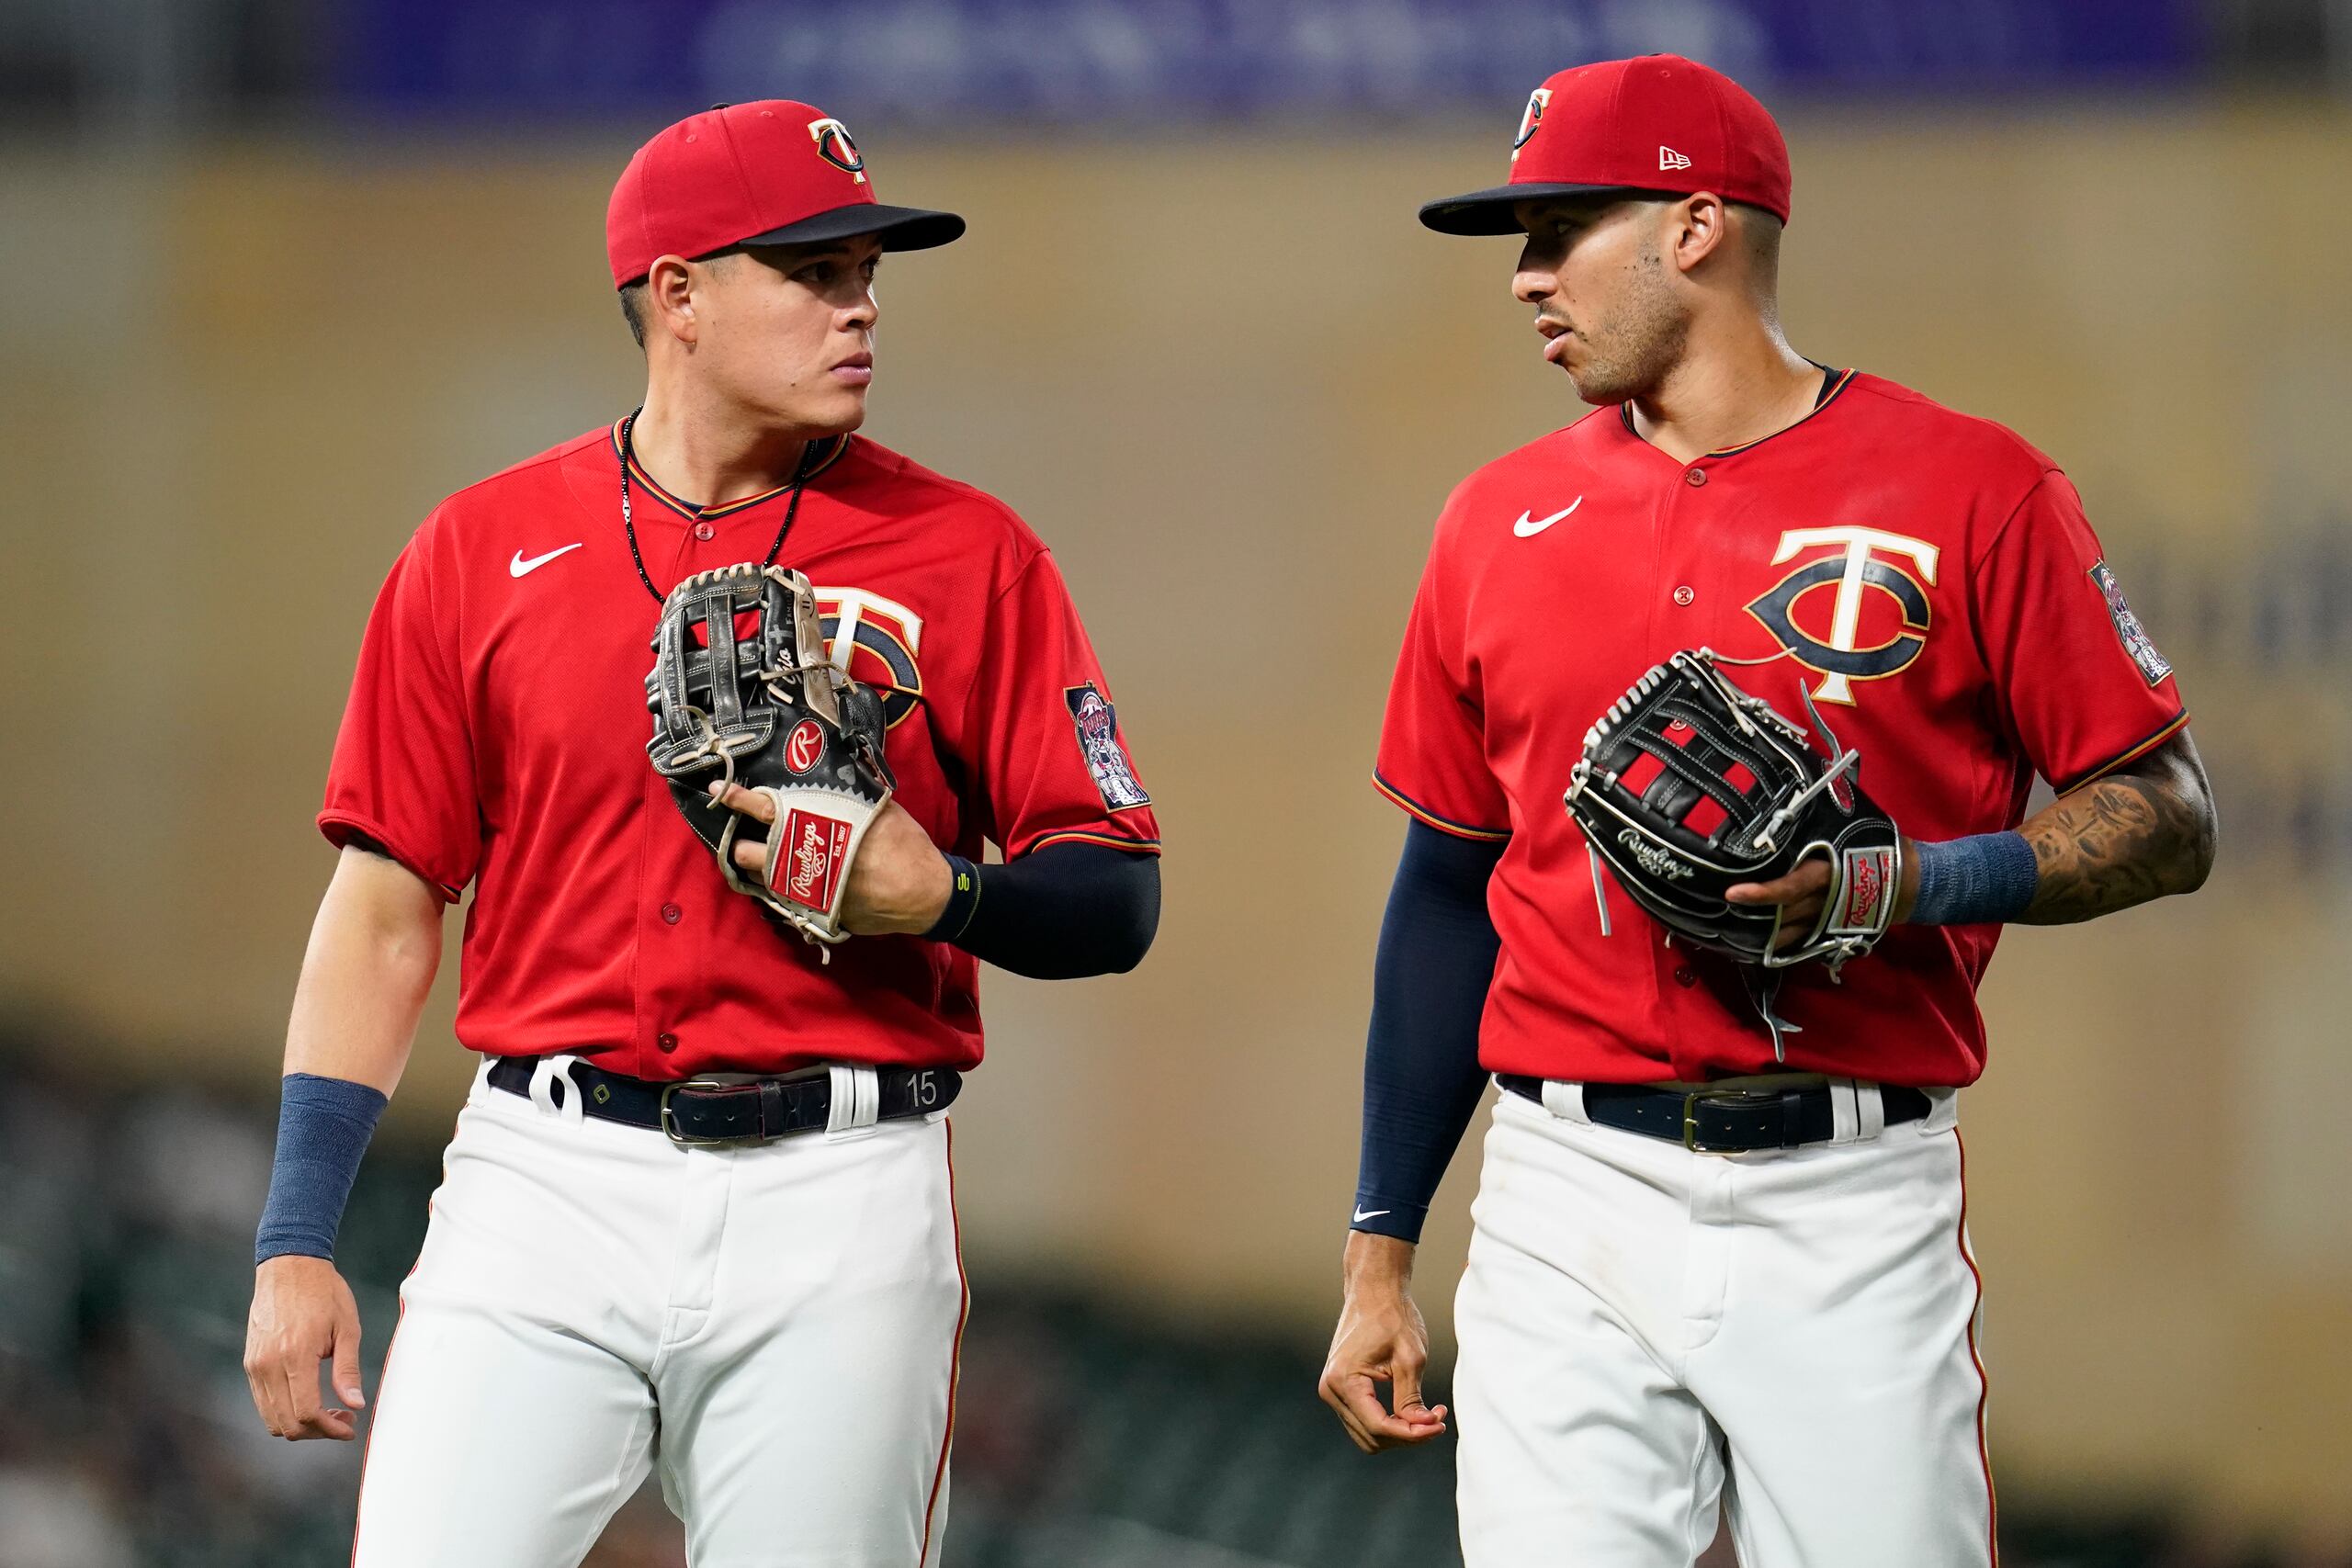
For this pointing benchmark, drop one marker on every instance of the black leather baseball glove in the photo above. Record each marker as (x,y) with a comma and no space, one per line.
(764,706)
(1690,786)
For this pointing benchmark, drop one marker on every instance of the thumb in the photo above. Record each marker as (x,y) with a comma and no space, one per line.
(346,1359)
(1405,1391)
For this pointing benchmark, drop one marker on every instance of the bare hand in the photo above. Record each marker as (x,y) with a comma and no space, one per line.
(900,881)
(1801,893)
(302,1314)
(1381,1338)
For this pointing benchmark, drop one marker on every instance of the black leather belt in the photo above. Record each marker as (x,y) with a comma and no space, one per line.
(699,1113)
(1723,1121)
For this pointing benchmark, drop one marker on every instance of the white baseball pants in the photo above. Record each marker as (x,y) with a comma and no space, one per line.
(776,1327)
(1646,1332)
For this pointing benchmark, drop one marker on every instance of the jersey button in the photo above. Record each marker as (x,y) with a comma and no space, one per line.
(669,913)
(705,532)
(667,1042)
(1684,977)
(1683,595)
(1694,478)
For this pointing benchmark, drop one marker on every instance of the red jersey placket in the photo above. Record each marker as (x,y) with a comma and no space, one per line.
(1690,523)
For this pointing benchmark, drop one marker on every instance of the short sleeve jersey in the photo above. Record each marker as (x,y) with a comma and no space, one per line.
(495,739)
(1929,578)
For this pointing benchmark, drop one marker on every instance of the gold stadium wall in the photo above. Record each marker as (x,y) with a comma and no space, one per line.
(1231,380)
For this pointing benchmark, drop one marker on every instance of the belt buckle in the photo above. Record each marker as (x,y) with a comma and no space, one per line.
(1690,1103)
(701,1085)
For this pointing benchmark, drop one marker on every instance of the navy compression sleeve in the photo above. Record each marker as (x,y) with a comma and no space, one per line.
(1421,1079)
(1061,913)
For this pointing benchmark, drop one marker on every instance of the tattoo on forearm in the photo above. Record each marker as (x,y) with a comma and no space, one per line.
(2122,840)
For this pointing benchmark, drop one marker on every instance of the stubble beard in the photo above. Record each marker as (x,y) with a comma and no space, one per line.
(1633,354)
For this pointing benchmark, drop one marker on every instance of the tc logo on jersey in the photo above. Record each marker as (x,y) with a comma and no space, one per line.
(1841,656)
(812,847)
(1528,120)
(835,146)
(875,640)
(1098,742)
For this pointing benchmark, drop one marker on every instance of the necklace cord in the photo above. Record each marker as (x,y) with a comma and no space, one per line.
(800,472)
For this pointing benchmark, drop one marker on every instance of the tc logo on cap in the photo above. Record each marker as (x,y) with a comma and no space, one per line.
(833,144)
(1530,119)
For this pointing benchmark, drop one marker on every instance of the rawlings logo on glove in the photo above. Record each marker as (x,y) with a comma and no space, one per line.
(1654,859)
(768,709)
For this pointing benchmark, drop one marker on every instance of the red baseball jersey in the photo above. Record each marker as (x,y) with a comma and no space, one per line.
(496,737)
(1929,577)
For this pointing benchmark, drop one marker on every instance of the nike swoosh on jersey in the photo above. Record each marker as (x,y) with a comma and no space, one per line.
(1364,1215)
(1527,527)
(518,567)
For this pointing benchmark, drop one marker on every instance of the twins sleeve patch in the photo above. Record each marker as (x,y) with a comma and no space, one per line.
(1098,742)
(2136,641)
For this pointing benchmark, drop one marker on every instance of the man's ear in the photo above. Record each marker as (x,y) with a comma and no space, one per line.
(670,300)
(1702,227)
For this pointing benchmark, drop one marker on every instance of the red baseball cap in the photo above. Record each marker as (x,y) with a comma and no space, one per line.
(772,173)
(1659,123)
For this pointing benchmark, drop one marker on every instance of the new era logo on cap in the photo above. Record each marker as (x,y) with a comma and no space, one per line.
(1657,123)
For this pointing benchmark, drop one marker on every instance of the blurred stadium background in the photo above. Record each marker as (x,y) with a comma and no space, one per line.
(285,271)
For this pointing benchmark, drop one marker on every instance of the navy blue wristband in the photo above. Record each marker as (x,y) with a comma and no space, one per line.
(1984,879)
(324,1125)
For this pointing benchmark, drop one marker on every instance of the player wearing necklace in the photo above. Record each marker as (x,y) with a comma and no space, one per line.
(701,1189)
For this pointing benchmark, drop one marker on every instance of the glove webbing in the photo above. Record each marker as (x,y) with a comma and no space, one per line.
(1702,773)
